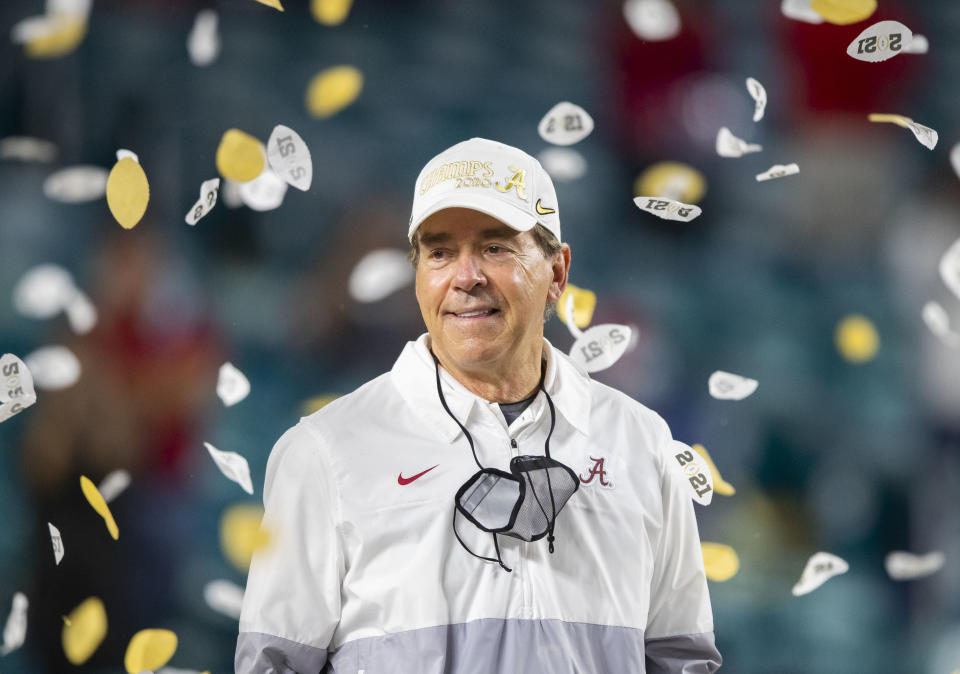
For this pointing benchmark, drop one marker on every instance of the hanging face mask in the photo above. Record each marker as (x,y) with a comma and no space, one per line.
(523,503)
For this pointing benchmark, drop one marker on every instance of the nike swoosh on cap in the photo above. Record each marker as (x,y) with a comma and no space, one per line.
(543,210)
(407,480)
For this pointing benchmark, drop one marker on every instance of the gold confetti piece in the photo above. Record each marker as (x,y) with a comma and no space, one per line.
(843,12)
(899,120)
(96,501)
(65,35)
(315,403)
(241,534)
(671,180)
(720,562)
(333,89)
(84,630)
(584,302)
(857,339)
(330,12)
(128,192)
(270,3)
(149,649)
(240,156)
(720,485)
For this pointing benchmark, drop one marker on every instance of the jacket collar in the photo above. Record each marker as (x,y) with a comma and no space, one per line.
(414,377)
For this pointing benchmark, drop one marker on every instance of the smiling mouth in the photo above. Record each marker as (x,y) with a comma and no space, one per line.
(482,313)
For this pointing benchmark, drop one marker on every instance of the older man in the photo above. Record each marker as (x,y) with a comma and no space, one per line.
(407,517)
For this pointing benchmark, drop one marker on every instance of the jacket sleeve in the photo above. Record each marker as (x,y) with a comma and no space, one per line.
(291,605)
(679,637)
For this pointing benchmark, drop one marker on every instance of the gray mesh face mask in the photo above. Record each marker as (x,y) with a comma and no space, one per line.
(523,503)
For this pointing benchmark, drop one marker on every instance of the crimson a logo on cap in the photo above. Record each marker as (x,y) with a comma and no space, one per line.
(597,474)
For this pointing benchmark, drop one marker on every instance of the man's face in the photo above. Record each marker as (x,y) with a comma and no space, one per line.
(482,288)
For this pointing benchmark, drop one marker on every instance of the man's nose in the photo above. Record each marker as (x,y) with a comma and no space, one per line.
(468,272)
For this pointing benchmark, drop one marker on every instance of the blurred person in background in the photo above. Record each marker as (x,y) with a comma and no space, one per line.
(369,567)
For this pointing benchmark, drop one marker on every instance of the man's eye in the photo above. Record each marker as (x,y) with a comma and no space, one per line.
(436,254)
(495,249)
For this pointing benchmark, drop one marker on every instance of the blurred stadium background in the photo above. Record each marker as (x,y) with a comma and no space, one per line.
(857,459)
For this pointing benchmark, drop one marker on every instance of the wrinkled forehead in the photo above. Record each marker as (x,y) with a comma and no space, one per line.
(452,224)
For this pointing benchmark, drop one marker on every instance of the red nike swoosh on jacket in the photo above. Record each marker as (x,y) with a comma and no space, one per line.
(407,480)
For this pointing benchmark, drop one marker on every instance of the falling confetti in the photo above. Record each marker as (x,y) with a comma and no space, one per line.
(17,392)
(276,5)
(820,568)
(203,42)
(53,367)
(563,163)
(206,202)
(950,268)
(239,156)
(668,209)
(778,171)
(114,484)
(671,180)
(695,470)
(332,90)
(224,597)
(729,145)
(653,20)
(880,42)
(62,34)
(15,629)
(289,157)
(584,302)
(759,95)
(315,403)
(902,565)
(76,184)
(43,291)
(232,385)
(57,542)
(924,134)
(26,148)
(95,499)
(127,154)
(149,649)
(856,339)
(265,192)
(729,386)
(720,562)
(330,12)
(241,534)
(81,314)
(843,12)
(918,45)
(799,10)
(936,318)
(128,192)
(379,274)
(565,123)
(233,466)
(600,346)
(84,630)
(720,485)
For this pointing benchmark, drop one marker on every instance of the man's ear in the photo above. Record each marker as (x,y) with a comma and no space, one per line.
(560,266)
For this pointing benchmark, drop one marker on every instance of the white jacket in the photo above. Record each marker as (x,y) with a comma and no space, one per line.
(365,576)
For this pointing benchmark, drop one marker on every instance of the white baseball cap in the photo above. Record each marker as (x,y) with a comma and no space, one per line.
(490,177)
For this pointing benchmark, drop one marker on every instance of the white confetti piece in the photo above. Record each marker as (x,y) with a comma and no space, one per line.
(43,291)
(224,597)
(231,194)
(15,631)
(16,386)
(729,386)
(289,157)
(206,202)
(955,159)
(127,154)
(729,145)
(203,41)
(653,20)
(902,565)
(32,28)
(600,346)
(569,314)
(76,184)
(74,7)
(759,95)
(950,268)
(265,192)
(565,124)
(233,466)
(81,314)
(26,148)
(918,45)
(924,134)
(936,318)
(668,209)
(820,568)
(696,471)
(879,42)
(379,274)
(563,163)
(114,484)
(232,385)
(57,542)
(778,171)
(53,367)
(800,10)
